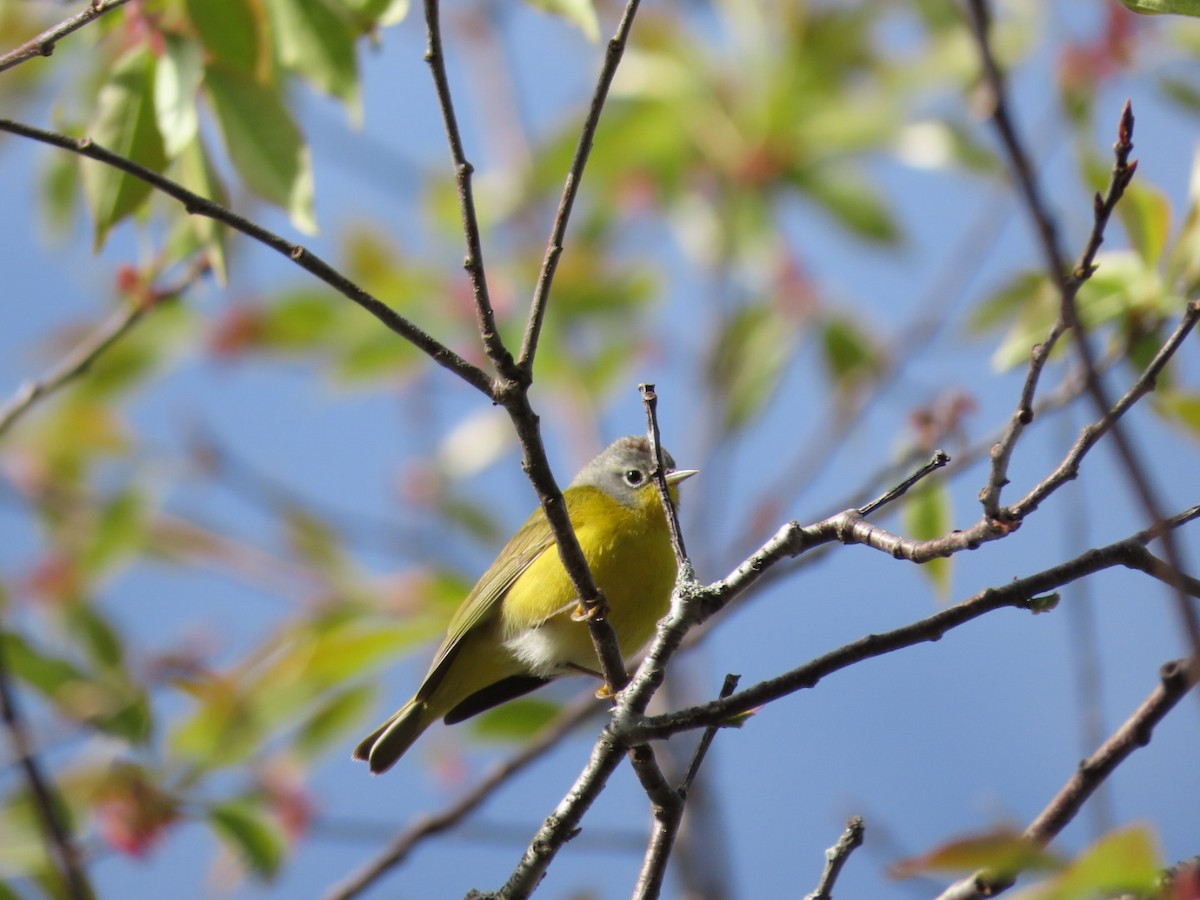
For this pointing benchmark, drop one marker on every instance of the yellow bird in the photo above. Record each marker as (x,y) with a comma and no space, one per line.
(515,630)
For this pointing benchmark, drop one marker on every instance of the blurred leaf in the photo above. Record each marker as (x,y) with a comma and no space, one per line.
(47,674)
(314,541)
(119,532)
(516,720)
(1125,862)
(1161,7)
(376,353)
(381,13)
(110,704)
(264,143)
(99,639)
(332,718)
(315,39)
(1003,853)
(751,354)
(1182,407)
(1146,214)
(851,201)
(580,13)
(247,829)
(300,321)
(176,84)
(233,31)
(850,357)
(927,515)
(60,192)
(197,173)
(124,122)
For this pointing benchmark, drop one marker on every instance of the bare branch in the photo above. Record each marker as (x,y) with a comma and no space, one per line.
(45,43)
(650,402)
(463,170)
(554,248)
(1019,594)
(310,262)
(41,791)
(940,459)
(427,826)
(668,814)
(1135,732)
(84,355)
(836,858)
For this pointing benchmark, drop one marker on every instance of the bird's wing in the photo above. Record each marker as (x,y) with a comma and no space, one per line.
(530,542)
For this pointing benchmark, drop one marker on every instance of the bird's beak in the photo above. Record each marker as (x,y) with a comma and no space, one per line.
(680,475)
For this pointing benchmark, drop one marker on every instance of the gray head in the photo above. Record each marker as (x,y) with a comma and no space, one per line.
(624,468)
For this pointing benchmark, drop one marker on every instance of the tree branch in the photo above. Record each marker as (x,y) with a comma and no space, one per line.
(485,316)
(427,826)
(310,262)
(1068,284)
(1019,594)
(85,354)
(554,247)
(1175,680)
(45,43)
(42,794)
(836,858)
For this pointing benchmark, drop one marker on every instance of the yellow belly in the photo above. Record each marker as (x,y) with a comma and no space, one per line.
(629,554)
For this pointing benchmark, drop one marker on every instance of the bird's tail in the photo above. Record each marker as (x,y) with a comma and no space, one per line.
(387,743)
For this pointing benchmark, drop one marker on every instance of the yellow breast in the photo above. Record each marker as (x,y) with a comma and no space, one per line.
(629,553)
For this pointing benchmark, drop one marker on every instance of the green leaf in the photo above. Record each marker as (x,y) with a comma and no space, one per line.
(125,123)
(927,515)
(515,720)
(264,143)
(1181,406)
(316,40)
(247,828)
(1146,214)
(49,675)
(749,361)
(176,85)
(1003,852)
(853,202)
(119,532)
(313,541)
(580,13)
(1163,7)
(332,718)
(380,13)
(1123,862)
(197,174)
(233,32)
(101,642)
(850,358)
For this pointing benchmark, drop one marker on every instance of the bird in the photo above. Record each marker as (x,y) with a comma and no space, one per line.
(518,629)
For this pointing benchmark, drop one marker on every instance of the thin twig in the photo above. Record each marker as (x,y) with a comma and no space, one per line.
(668,816)
(728,686)
(427,826)
(463,170)
(1175,680)
(310,262)
(940,459)
(85,354)
(1068,284)
(46,805)
(650,402)
(44,43)
(554,247)
(836,858)
(1018,594)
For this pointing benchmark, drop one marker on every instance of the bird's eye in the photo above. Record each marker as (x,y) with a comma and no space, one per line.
(634,477)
